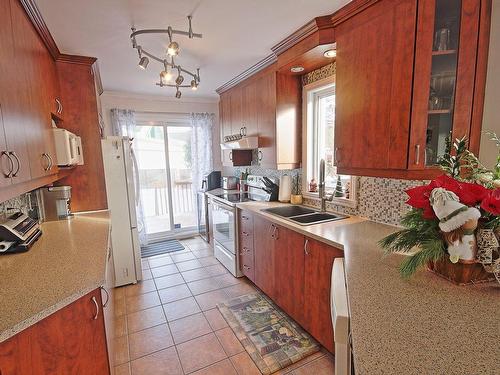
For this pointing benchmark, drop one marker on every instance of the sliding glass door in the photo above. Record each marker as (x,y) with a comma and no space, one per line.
(163,153)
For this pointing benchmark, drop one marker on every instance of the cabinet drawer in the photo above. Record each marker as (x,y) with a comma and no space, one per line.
(247,264)
(246,223)
(246,242)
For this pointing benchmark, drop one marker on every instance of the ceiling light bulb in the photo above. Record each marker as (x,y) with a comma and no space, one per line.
(165,76)
(143,62)
(173,49)
(297,69)
(331,53)
(178,94)
(194,85)
(179,80)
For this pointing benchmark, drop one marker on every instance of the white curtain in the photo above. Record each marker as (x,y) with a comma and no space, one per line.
(124,125)
(201,146)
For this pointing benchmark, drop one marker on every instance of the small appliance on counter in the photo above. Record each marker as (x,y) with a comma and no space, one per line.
(263,186)
(211,181)
(18,233)
(229,182)
(54,203)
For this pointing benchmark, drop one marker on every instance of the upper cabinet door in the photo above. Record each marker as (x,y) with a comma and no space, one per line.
(250,109)
(236,111)
(445,69)
(225,115)
(375,52)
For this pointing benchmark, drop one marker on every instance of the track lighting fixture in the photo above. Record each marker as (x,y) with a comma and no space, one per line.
(143,62)
(173,49)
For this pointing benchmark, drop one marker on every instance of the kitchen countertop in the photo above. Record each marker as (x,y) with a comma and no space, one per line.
(67,262)
(425,325)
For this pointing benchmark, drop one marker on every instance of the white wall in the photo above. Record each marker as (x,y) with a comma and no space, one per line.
(161,104)
(491,116)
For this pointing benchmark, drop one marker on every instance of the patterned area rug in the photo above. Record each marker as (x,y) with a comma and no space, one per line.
(271,338)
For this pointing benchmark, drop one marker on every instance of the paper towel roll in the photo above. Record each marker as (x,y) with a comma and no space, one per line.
(285,188)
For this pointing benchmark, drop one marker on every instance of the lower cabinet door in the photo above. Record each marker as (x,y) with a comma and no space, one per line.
(70,341)
(264,244)
(289,272)
(317,288)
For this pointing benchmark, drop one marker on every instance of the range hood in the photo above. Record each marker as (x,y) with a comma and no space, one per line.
(245,143)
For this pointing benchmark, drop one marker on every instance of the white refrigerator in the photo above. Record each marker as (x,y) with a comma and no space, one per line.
(120,170)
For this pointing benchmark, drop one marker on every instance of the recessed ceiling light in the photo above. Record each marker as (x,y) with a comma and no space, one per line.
(297,69)
(330,53)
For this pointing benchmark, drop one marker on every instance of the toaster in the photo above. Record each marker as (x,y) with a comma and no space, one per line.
(229,182)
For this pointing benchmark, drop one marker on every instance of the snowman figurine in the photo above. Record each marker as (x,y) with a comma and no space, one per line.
(457,223)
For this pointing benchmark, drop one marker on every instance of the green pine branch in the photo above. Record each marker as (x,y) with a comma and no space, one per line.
(430,250)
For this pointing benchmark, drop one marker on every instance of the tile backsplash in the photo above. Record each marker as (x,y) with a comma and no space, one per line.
(378,199)
(26,203)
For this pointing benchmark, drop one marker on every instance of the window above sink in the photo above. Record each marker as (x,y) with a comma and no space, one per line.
(319,143)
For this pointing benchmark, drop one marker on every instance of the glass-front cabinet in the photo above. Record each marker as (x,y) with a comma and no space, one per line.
(443,88)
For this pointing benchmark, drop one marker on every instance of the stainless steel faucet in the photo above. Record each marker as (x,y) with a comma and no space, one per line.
(322,195)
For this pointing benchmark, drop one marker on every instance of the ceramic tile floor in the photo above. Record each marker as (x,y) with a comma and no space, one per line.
(169,323)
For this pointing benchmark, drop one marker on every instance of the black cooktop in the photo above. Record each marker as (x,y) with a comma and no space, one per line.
(235,197)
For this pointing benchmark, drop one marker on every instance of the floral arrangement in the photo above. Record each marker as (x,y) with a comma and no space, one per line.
(455,216)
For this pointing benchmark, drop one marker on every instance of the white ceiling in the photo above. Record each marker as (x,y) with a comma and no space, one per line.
(236,35)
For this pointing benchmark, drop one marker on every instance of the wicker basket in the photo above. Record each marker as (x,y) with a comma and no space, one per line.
(460,273)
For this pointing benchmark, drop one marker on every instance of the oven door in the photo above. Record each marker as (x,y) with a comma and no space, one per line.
(223,225)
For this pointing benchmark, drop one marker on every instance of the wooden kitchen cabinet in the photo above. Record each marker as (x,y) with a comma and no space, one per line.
(445,64)
(246,244)
(264,255)
(267,105)
(375,51)
(72,340)
(396,105)
(317,288)
(289,272)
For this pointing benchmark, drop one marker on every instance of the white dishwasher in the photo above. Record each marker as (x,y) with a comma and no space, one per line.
(340,319)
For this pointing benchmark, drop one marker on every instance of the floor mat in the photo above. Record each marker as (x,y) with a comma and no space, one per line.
(159,248)
(271,338)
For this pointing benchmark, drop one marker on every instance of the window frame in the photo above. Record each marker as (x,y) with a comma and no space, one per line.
(309,118)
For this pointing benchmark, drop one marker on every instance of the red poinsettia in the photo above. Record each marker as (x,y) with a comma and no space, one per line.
(468,193)
(491,203)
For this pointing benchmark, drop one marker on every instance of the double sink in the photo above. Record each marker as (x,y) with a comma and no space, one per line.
(303,215)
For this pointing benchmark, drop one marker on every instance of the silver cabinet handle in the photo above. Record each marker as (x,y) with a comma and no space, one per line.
(47,168)
(230,155)
(11,165)
(59,106)
(96,308)
(261,155)
(50,161)
(107,296)
(305,246)
(275,234)
(13,153)
(417,154)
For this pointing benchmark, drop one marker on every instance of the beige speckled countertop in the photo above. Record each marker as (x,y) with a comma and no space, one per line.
(425,325)
(67,262)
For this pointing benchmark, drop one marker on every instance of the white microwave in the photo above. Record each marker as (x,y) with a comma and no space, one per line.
(68,148)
